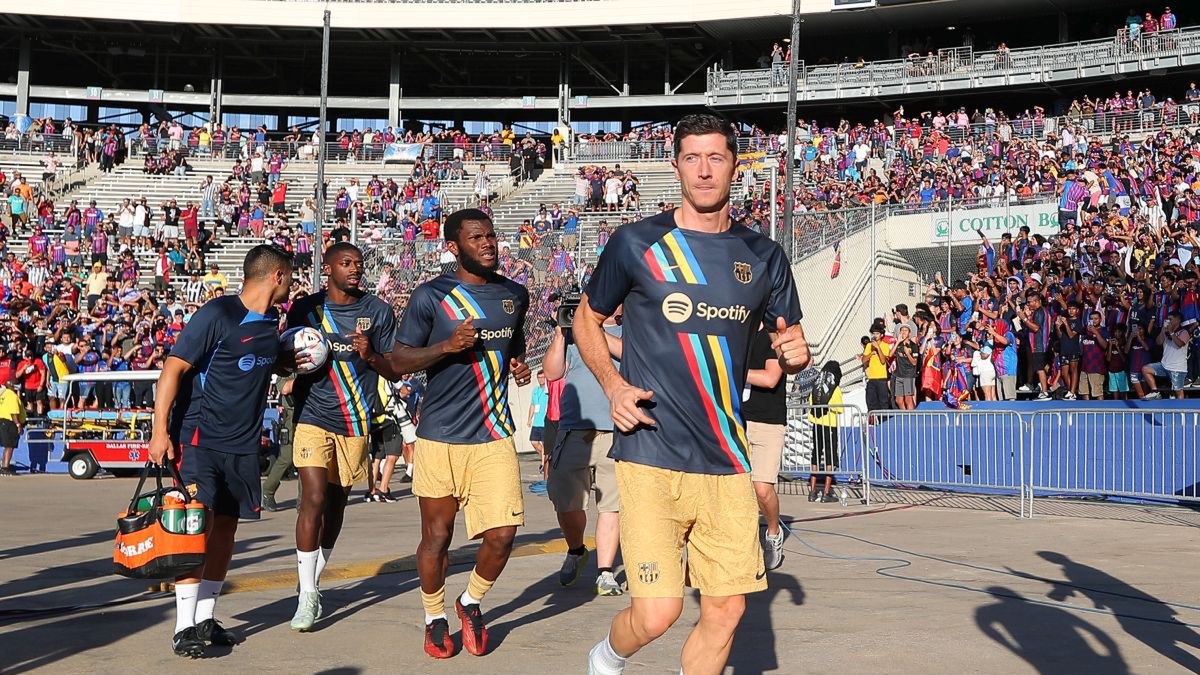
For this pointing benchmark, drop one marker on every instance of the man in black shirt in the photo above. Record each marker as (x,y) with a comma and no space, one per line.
(907,360)
(764,409)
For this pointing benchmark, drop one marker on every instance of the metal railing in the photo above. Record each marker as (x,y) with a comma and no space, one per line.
(961,65)
(970,450)
(1144,454)
(607,151)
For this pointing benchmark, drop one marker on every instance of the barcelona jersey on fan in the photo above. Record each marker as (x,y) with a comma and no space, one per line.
(693,302)
(466,397)
(339,396)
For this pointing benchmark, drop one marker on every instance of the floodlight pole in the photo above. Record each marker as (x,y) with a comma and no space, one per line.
(318,238)
(789,212)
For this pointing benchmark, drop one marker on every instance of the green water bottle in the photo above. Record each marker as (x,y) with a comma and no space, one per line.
(173,518)
(195,518)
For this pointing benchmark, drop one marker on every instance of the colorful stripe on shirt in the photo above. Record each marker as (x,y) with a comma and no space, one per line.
(708,360)
(459,305)
(671,259)
(346,381)
(493,394)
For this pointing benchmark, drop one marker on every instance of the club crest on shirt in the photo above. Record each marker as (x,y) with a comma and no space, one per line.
(648,572)
(742,272)
(362,324)
(509,306)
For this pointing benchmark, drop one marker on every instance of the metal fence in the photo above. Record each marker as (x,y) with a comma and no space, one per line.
(608,151)
(1143,454)
(977,451)
(544,265)
(1124,454)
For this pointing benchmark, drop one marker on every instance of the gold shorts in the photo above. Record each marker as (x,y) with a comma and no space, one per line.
(715,516)
(766,450)
(485,478)
(345,457)
(580,467)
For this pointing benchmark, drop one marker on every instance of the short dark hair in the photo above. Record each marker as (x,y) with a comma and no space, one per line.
(338,247)
(454,222)
(702,124)
(264,259)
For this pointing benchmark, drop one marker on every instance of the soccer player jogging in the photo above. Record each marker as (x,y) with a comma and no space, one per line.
(464,329)
(695,286)
(333,412)
(210,401)
(579,464)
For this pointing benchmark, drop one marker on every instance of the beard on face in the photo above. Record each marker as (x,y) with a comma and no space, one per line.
(475,266)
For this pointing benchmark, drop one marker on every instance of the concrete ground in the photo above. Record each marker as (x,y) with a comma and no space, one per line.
(904,586)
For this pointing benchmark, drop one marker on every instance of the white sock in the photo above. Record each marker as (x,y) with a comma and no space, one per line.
(605,660)
(206,599)
(307,569)
(185,605)
(466,599)
(322,561)
(430,619)
(408,470)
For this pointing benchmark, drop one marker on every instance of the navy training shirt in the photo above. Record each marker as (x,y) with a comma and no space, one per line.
(693,302)
(466,395)
(221,399)
(340,395)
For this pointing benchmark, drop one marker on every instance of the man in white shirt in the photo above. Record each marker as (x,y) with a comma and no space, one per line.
(861,152)
(1174,339)
(256,168)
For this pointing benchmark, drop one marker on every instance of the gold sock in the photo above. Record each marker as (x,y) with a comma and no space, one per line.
(477,586)
(435,603)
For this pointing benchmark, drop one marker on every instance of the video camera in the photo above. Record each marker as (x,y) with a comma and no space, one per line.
(568,302)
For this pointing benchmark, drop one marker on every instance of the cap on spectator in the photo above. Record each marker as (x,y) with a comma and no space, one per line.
(1035,277)
(1020,284)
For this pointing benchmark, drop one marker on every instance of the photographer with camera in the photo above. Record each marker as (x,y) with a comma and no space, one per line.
(577,464)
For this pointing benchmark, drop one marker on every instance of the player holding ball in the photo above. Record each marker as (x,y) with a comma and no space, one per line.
(333,412)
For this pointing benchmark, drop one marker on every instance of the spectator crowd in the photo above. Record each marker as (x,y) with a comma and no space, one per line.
(74,297)
(1104,309)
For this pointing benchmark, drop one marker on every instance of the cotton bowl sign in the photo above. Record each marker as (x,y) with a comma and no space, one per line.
(962,226)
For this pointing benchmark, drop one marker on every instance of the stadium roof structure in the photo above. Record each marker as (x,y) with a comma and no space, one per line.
(453,59)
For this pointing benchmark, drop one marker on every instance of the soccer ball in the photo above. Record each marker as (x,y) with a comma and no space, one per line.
(305,340)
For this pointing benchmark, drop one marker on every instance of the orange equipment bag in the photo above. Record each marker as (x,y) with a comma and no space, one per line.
(145,549)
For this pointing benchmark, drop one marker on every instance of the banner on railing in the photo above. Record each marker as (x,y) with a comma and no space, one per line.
(964,224)
(402,153)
